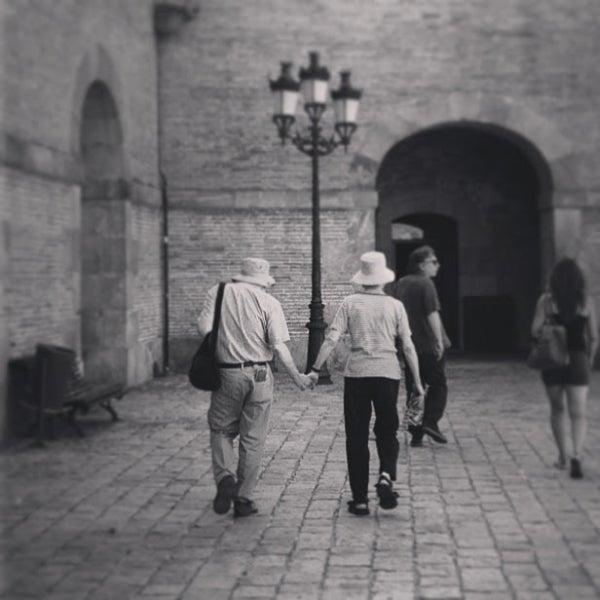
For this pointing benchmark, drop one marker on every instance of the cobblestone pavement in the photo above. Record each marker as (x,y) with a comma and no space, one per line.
(126,512)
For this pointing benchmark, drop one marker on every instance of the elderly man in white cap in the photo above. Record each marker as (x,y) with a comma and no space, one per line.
(252,327)
(374,321)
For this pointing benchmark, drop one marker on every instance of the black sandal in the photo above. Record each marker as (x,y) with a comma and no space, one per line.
(576,470)
(358,507)
(388,498)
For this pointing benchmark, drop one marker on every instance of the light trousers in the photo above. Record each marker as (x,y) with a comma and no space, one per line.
(241,407)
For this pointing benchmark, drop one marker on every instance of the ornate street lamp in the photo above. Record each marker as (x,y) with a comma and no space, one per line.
(313,86)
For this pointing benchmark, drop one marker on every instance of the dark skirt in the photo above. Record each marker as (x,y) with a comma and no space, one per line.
(577,372)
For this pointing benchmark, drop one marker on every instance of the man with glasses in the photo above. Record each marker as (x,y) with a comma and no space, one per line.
(420,298)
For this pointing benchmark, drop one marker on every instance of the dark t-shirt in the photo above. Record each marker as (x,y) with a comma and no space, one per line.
(420,299)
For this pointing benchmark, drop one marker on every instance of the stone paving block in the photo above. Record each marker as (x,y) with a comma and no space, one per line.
(206,593)
(298,591)
(483,579)
(492,559)
(262,576)
(334,593)
(442,570)
(533,595)
(439,580)
(172,590)
(254,591)
(527,581)
(517,556)
(350,574)
(468,595)
(441,592)
(581,592)
(404,594)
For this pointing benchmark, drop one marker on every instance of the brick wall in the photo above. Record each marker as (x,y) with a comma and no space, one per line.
(217,108)
(42,292)
(208,247)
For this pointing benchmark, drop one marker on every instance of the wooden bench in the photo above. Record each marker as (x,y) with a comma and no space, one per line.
(83,396)
(50,385)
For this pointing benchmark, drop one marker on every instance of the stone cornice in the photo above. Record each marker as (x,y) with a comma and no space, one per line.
(40,160)
(228,200)
(171,15)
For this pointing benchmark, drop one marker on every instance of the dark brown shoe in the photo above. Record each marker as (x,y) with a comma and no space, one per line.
(242,507)
(416,441)
(576,471)
(225,492)
(435,434)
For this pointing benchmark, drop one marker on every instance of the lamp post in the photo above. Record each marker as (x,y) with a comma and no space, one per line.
(313,86)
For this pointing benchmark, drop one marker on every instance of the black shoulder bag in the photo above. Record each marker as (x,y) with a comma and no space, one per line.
(204,372)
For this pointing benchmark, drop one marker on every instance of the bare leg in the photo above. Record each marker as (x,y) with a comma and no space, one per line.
(558,421)
(577,400)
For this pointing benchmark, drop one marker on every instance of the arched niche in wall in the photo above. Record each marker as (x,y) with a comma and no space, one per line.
(490,183)
(103,238)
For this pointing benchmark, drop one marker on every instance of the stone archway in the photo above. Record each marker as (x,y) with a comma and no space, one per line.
(493,183)
(103,238)
(548,149)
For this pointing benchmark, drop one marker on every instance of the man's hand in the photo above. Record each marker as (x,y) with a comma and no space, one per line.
(313,379)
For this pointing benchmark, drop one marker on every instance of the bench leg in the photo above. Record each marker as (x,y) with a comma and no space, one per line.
(70,418)
(107,406)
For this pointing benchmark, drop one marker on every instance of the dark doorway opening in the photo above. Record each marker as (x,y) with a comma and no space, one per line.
(489,324)
(441,233)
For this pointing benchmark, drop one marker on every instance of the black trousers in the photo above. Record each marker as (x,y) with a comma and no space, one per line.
(433,374)
(360,395)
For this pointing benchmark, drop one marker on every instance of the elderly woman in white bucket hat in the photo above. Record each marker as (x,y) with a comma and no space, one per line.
(374,321)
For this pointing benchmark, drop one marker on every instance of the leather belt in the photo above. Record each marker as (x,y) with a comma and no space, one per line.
(240,365)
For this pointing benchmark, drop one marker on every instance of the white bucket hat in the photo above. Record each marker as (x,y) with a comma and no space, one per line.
(373,270)
(255,270)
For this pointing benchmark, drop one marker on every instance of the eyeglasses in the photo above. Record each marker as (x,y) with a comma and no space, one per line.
(433,261)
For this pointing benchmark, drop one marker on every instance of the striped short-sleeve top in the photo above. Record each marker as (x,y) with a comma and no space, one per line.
(373,321)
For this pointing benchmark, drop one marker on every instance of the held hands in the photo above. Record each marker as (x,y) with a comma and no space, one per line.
(313,378)
(304,381)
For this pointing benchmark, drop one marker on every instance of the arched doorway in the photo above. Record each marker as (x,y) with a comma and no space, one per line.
(488,182)
(103,239)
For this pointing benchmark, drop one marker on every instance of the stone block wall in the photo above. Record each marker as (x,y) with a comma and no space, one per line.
(42,291)
(146,289)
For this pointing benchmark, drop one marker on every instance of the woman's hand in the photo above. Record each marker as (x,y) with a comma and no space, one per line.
(418,387)
(313,379)
(304,381)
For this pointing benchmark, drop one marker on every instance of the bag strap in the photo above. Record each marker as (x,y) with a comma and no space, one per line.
(548,310)
(217,317)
